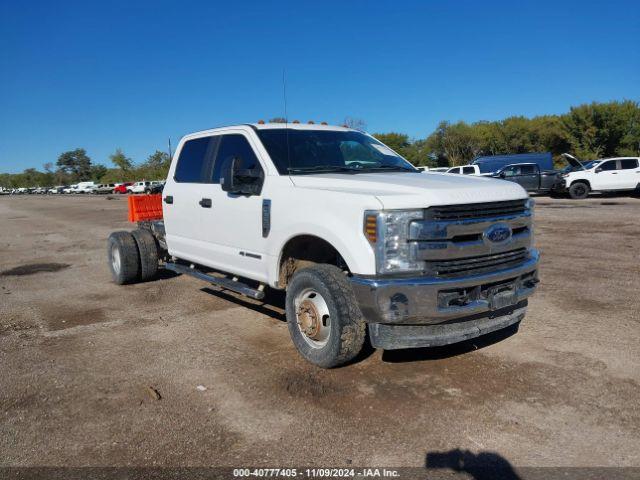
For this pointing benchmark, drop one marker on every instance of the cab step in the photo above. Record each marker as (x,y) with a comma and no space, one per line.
(233,285)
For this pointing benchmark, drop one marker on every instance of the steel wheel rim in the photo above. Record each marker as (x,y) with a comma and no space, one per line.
(115,259)
(312,318)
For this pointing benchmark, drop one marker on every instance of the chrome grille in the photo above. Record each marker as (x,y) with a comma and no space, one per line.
(477,210)
(476,264)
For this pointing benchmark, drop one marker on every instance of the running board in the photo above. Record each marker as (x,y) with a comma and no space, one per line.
(232,285)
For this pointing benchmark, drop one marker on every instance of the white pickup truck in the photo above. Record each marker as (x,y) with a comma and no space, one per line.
(361,241)
(608,175)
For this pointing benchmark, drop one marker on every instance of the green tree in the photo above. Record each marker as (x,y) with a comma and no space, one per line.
(158,160)
(97,172)
(75,163)
(120,160)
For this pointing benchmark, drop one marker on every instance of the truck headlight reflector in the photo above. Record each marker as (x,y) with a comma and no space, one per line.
(394,253)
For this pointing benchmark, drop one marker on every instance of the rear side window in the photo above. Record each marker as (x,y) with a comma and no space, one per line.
(608,165)
(468,170)
(195,161)
(527,169)
(234,145)
(628,163)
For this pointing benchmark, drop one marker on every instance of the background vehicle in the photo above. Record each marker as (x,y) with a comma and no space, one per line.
(358,238)
(104,188)
(465,170)
(611,174)
(530,177)
(122,187)
(138,187)
(433,169)
(493,163)
(70,189)
(85,187)
(156,187)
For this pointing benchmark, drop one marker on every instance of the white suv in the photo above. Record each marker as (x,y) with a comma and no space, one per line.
(611,174)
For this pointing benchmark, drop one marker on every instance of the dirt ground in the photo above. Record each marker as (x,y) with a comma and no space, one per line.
(79,357)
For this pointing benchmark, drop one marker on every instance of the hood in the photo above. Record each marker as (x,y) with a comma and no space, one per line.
(414,190)
(573,161)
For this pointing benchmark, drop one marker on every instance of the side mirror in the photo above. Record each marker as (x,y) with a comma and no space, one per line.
(598,170)
(234,179)
(502,174)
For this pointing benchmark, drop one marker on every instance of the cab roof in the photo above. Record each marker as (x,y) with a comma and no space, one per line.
(270,126)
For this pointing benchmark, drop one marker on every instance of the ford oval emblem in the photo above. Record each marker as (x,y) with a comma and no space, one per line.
(497,233)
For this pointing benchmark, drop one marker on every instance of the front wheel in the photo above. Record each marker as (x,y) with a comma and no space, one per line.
(579,190)
(324,320)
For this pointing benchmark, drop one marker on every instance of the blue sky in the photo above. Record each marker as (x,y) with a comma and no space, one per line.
(102,75)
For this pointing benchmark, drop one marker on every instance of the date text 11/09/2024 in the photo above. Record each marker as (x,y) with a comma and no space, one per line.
(315,472)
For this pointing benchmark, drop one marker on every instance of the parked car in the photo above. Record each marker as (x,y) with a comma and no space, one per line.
(352,232)
(85,187)
(493,163)
(607,175)
(433,169)
(55,190)
(530,177)
(143,186)
(465,170)
(122,187)
(104,188)
(156,187)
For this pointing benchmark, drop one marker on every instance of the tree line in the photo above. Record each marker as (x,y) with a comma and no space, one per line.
(588,131)
(76,166)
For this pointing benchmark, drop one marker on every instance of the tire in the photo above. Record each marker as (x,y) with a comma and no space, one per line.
(579,191)
(124,259)
(332,341)
(148,250)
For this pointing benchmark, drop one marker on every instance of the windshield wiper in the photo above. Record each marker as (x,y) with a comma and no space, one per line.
(389,168)
(322,168)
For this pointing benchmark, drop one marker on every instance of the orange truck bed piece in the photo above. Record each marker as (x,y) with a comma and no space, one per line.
(145,207)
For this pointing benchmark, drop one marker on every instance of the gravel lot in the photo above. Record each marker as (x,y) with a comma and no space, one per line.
(80,357)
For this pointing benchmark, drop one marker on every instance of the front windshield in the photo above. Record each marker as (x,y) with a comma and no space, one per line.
(297,152)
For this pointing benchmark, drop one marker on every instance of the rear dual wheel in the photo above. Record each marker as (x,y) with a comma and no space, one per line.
(133,256)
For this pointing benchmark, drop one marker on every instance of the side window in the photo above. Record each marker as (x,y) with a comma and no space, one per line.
(455,170)
(468,170)
(511,171)
(610,165)
(194,163)
(528,169)
(628,163)
(234,145)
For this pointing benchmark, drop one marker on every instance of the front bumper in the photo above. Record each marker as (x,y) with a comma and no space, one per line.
(431,301)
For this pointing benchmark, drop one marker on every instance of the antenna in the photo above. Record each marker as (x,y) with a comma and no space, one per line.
(286,117)
(170,154)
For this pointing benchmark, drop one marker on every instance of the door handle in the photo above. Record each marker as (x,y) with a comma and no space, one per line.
(205,203)
(168,199)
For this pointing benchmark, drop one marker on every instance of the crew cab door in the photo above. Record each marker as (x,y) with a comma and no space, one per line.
(529,177)
(232,226)
(629,172)
(182,199)
(607,176)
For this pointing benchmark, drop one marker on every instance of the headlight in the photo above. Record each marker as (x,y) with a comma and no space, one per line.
(388,233)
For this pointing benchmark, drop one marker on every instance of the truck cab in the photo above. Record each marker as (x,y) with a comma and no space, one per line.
(362,242)
(465,170)
(529,176)
(611,174)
